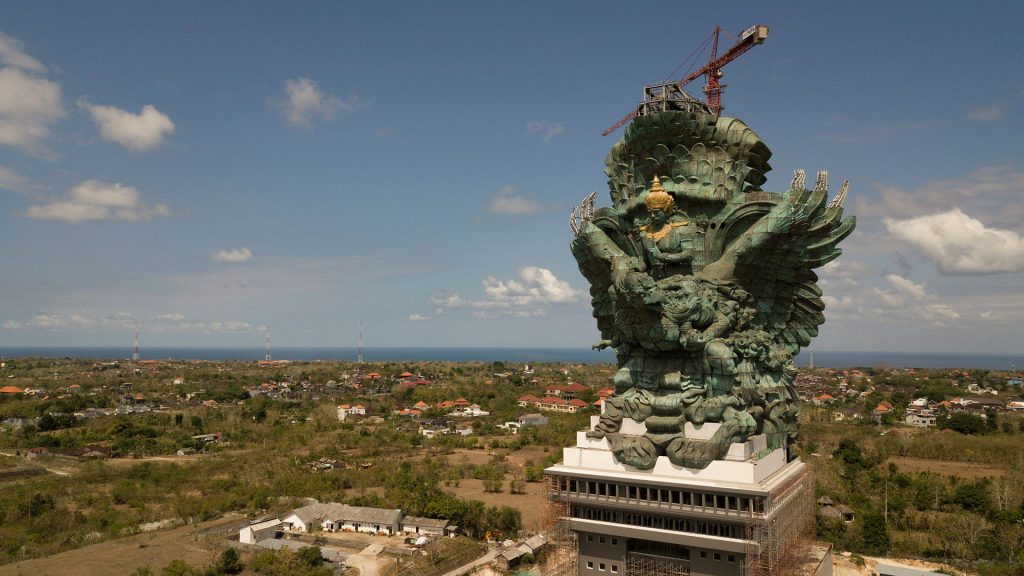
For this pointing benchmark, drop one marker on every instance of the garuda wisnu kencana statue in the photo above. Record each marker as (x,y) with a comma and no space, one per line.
(704,285)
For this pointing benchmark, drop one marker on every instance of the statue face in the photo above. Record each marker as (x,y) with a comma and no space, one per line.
(659,216)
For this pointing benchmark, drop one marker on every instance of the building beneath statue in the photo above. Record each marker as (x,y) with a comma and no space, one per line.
(748,513)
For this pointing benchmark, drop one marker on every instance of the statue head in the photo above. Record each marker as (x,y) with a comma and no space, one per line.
(658,200)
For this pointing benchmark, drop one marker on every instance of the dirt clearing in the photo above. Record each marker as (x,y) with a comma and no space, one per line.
(197,545)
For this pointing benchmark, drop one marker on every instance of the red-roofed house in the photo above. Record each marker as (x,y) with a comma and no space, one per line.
(553,404)
(576,404)
(822,400)
(573,390)
(11,390)
(527,400)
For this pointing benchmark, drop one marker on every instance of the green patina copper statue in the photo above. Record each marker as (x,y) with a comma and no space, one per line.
(703,284)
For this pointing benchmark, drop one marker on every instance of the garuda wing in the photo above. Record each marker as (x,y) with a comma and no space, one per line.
(774,260)
(601,242)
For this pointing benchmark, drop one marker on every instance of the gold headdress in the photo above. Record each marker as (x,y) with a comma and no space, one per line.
(657,198)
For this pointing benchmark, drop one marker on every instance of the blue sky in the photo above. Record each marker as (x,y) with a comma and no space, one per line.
(211,169)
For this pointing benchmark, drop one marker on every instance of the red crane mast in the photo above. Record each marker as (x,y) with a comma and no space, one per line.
(656,97)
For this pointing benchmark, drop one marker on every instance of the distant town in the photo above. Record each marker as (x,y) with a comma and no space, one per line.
(430,466)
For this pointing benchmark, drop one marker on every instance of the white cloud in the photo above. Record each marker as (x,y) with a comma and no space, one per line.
(548,129)
(907,287)
(522,297)
(95,200)
(534,286)
(73,322)
(448,300)
(508,202)
(12,55)
(959,244)
(305,101)
(11,180)
(991,193)
(987,113)
(418,317)
(28,106)
(136,132)
(233,255)
(905,298)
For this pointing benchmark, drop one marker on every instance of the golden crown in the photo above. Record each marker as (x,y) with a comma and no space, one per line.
(657,198)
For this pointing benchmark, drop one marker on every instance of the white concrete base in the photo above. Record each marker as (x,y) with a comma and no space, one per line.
(741,464)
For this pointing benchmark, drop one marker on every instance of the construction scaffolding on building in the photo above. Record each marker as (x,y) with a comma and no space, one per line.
(638,565)
(563,548)
(776,538)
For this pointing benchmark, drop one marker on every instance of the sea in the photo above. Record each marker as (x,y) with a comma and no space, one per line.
(822,358)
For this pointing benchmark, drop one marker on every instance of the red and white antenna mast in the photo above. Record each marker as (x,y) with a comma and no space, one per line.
(359,351)
(135,350)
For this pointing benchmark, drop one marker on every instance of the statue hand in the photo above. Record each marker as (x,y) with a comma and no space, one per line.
(693,340)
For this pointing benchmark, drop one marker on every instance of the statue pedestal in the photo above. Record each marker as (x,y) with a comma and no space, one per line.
(730,518)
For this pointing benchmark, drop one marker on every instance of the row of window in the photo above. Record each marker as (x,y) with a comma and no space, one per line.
(667,550)
(601,567)
(645,520)
(639,494)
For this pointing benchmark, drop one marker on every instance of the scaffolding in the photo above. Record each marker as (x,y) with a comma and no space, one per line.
(563,548)
(776,538)
(637,565)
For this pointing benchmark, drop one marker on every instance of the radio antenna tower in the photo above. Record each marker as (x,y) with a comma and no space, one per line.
(359,351)
(266,348)
(135,350)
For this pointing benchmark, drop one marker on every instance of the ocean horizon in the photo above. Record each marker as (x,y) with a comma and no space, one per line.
(822,358)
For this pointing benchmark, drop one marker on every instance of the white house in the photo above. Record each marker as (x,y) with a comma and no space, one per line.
(259,530)
(344,518)
(415,525)
(344,411)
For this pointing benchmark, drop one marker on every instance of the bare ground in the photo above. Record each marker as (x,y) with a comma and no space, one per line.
(196,544)
(964,470)
(532,505)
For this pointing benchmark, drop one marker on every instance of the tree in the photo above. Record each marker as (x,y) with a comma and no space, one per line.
(876,534)
(311,556)
(228,562)
(965,423)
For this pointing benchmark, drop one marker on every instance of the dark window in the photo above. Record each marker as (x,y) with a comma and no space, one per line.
(615,541)
(703,554)
(590,564)
(601,566)
(718,556)
(686,498)
(731,558)
(675,496)
(601,539)
(632,492)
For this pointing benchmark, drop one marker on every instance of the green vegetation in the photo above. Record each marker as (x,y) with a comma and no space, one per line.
(261,460)
(955,492)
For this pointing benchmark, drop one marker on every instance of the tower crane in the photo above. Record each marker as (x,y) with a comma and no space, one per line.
(661,97)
